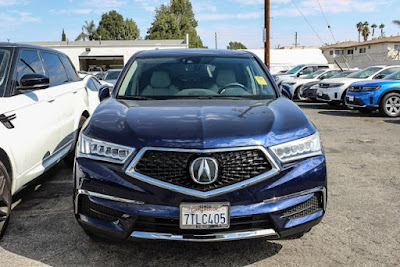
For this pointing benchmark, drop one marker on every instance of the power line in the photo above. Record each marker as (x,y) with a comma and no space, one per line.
(327,23)
(312,28)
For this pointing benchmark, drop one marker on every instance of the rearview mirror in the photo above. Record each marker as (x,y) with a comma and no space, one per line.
(34,81)
(104,92)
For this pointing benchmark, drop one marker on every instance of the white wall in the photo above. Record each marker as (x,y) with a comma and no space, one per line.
(74,52)
(283,59)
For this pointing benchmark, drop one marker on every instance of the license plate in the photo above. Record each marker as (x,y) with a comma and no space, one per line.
(351,98)
(319,93)
(204,216)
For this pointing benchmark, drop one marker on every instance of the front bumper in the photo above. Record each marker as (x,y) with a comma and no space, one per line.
(362,99)
(113,204)
(310,93)
(330,94)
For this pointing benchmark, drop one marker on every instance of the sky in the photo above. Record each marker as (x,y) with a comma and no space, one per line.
(233,20)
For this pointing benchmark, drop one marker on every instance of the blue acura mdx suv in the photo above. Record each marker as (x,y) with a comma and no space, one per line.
(198,145)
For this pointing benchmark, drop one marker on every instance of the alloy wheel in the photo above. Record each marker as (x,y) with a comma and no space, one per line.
(392,105)
(5,199)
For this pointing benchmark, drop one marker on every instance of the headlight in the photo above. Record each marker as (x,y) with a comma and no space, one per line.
(369,88)
(298,149)
(100,150)
(336,84)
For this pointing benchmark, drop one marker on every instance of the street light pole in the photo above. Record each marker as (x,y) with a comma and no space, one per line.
(266,26)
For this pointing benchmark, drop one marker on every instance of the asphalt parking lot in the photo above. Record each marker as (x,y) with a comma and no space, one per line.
(361,227)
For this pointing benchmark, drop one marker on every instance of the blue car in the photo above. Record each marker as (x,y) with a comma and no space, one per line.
(382,95)
(198,145)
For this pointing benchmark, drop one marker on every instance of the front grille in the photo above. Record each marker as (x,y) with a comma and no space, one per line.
(173,167)
(356,102)
(355,89)
(308,207)
(171,226)
(324,85)
(325,96)
(91,209)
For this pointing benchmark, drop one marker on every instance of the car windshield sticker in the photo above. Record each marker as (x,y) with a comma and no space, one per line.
(260,80)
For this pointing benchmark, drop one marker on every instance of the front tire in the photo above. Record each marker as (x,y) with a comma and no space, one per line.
(390,105)
(5,199)
(299,95)
(69,159)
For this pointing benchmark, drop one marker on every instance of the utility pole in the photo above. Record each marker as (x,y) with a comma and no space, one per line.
(266,31)
(216,41)
(295,40)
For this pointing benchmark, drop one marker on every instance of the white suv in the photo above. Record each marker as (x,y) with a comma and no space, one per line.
(333,91)
(43,104)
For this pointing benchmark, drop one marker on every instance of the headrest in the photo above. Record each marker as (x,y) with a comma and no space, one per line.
(225,77)
(160,79)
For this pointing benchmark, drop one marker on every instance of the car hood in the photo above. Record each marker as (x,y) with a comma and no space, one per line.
(198,123)
(343,80)
(377,83)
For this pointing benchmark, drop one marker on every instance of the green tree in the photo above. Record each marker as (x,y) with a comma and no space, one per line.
(113,27)
(236,45)
(63,36)
(360,27)
(365,31)
(381,28)
(396,22)
(181,22)
(373,26)
(88,31)
(131,30)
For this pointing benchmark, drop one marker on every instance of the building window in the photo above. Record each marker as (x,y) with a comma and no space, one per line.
(339,52)
(331,52)
(350,51)
(363,50)
(397,47)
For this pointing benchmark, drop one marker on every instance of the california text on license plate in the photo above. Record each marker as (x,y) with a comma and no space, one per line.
(204,215)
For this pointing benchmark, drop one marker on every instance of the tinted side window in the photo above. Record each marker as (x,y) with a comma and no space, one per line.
(91,85)
(28,63)
(69,68)
(55,68)
(96,82)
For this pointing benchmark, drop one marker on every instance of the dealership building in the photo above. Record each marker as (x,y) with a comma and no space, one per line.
(108,54)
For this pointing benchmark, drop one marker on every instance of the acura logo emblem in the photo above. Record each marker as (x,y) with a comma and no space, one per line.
(204,170)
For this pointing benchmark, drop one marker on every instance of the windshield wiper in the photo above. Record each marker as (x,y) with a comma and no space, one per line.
(136,97)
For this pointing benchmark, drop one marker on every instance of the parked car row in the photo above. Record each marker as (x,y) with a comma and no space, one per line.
(43,106)
(366,90)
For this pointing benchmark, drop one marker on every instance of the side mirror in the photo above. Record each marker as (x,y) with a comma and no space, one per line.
(104,92)
(286,91)
(34,81)
(299,74)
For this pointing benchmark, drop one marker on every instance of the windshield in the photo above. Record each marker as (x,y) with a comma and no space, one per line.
(196,77)
(112,75)
(314,74)
(342,74)
(394,76)
(5,57)
(365,73)
(295,69)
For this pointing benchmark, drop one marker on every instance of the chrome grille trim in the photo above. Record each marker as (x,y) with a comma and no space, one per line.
(130,170)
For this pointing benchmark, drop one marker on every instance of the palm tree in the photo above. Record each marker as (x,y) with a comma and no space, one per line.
(373,26)
(359,29)
(88,31)
(397,22)
(366,33)
(381,27)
